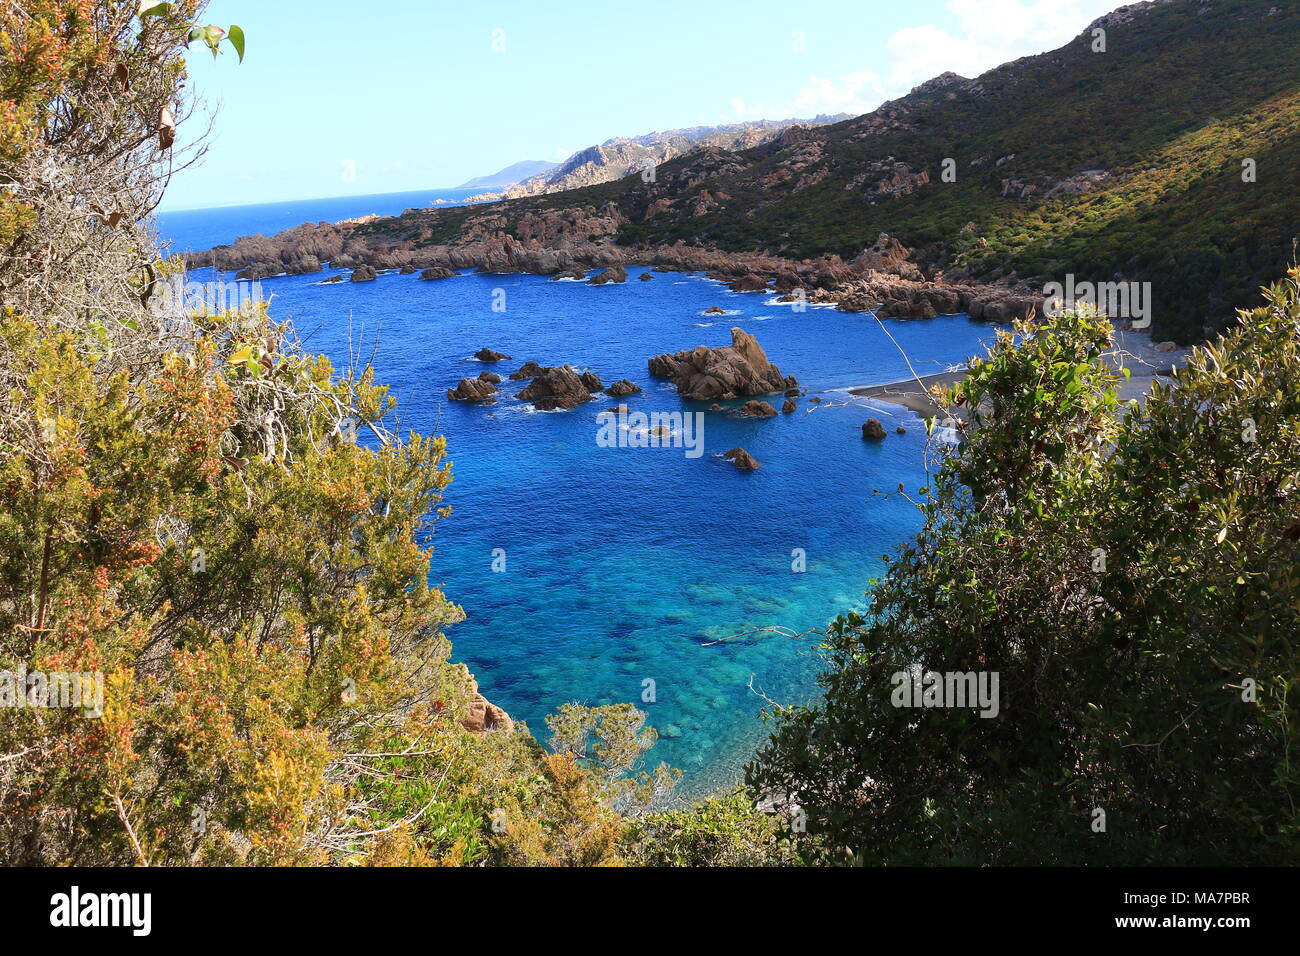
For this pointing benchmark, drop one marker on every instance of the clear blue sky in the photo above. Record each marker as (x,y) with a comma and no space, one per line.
(337,98)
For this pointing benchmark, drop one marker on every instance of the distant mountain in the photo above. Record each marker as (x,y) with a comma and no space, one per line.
(514,173)
(615,158)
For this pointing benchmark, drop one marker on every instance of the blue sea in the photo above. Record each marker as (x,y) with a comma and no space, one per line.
(633,574)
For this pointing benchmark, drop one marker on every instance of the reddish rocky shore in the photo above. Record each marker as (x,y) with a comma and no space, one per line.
(570,241)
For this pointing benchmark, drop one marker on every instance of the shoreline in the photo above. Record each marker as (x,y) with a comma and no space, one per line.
(1146,363)
(908,393)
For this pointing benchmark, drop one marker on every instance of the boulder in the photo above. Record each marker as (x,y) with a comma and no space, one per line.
(491,377)
(741,459)
(645,276)
(481,715)
(487,355)
(748,283)
(789,406)
(873,429)
(436,272)
(787,282)
(303,266)
(364,273)
(622,388)
(527,370)
(574,272)
(704,373)
(473,390)
(609,274)
(260,270)
(591,381)
(331,280)
(556,386)
(1166,346)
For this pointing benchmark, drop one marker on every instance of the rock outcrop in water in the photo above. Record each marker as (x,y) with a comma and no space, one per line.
(757,409)
(704,373)
(434,272)
(622,388)
(529,369)
(364,273)
(873,429)
(741,459)
(556,386)
(488,355)
(473,390)
(609,274)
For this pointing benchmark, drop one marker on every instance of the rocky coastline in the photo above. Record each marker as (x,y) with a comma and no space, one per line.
(569,242)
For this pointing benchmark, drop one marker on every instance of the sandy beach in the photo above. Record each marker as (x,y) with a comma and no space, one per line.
(1134,350)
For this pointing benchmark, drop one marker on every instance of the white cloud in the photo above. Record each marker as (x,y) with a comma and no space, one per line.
(984,34)
(855,93)
(980,35)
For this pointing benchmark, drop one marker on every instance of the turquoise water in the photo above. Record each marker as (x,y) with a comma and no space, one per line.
(624,565)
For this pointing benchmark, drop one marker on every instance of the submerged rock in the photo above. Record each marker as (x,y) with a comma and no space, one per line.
(645,276)
(756,409)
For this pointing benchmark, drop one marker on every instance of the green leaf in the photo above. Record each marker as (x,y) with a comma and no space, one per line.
(236,37)
(157,10)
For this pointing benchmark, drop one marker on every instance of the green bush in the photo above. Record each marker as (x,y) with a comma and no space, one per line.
(1132,574)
